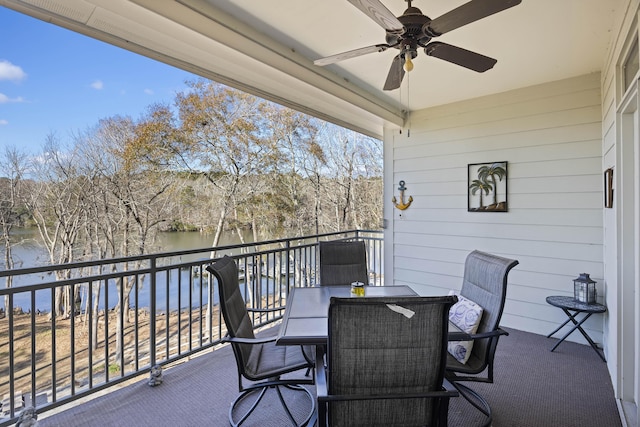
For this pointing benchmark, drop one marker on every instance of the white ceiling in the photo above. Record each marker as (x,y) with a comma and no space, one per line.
(267,47)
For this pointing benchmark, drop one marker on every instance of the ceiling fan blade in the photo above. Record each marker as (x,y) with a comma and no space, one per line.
(457,55)
(466,14)
(375,10)
(396,74)
(351,54)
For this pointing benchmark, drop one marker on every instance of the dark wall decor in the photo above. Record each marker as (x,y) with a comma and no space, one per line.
(608,188)
(487,187)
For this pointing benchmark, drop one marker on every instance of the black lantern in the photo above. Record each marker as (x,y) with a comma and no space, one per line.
(584,289)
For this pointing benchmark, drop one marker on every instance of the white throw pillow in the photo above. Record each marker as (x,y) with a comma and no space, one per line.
(466,315)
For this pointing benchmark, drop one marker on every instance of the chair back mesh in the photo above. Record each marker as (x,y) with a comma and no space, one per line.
(233,306)
(373,349)
(343,262)
(485,283)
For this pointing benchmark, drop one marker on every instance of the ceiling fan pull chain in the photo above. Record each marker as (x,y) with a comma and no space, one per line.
(409,104)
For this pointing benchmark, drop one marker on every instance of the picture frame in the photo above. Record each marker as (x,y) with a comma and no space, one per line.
(608,188)
(487,187)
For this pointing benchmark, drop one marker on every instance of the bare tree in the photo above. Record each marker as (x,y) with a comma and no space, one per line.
(13,163)
(131,195)
(224,140)
(57,204)
(349,176)
(295,135)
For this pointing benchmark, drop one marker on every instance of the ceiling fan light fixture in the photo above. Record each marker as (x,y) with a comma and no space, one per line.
(407,55)
(408,63)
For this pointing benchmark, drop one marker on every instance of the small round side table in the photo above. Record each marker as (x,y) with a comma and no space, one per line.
(568,305)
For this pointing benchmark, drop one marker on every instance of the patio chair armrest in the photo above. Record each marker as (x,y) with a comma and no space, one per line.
(248,340)
(426,394)
(490,334)
(448,390)
(266,310)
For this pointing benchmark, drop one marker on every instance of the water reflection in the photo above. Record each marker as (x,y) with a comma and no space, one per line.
(180,288)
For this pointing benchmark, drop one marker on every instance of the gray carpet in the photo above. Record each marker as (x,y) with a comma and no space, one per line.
(533,388)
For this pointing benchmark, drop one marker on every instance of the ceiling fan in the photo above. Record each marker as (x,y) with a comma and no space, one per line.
(413,30)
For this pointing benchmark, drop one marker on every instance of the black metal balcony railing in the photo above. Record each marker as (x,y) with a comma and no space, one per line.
(49,359)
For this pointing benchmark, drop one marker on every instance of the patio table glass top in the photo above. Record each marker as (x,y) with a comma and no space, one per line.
(305,319)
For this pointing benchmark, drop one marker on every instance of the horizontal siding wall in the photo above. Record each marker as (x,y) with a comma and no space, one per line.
(551,137)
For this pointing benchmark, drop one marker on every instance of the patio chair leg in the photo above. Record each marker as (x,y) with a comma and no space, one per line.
(240,399)
(475,399)
(286,408)
(262,391)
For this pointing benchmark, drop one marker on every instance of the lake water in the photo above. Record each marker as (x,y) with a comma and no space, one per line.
(30,253)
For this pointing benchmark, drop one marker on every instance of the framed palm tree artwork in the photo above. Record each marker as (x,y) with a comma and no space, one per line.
(487,187)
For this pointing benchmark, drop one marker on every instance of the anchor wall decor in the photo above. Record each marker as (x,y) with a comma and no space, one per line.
(402,205)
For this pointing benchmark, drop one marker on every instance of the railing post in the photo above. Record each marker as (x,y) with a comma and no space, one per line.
(289,261)
(12,378)
(152,313)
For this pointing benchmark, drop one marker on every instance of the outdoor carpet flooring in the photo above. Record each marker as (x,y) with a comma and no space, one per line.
(533,387)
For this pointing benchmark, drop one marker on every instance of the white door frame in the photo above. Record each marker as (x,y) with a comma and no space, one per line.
(627,202)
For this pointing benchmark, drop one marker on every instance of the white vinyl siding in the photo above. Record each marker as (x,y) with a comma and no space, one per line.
(551,137)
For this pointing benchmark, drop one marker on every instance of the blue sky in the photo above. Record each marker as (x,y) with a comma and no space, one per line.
(55,81)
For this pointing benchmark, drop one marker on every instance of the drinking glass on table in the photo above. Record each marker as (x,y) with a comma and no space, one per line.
(357,289)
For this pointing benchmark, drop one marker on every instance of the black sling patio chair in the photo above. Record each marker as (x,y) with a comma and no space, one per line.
(343,262)
(485,283)
(385,362)
(258,360)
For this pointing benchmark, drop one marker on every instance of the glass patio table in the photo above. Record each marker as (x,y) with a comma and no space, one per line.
(305,320)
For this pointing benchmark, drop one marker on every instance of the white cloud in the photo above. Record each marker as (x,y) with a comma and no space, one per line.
(4,99)
(8,71)
(97,85)
(148,91)
(3,122)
